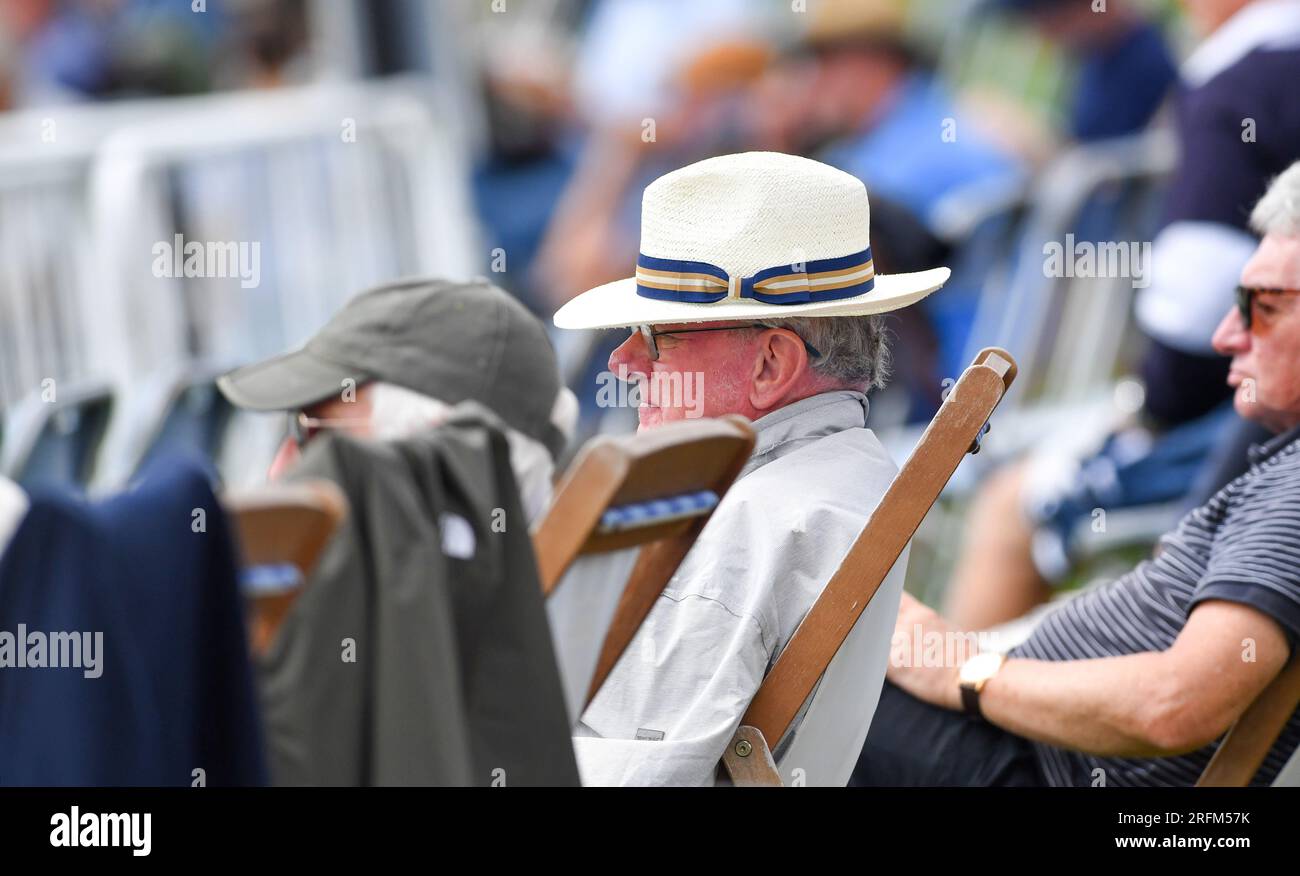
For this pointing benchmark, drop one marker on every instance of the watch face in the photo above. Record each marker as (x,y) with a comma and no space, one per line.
(979,668)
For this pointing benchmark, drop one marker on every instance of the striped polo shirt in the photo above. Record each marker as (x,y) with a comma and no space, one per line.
(1242,546)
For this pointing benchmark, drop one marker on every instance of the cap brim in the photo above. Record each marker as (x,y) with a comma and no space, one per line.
(616,305)
(293,380)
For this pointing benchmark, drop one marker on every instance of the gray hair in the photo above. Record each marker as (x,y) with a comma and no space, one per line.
(1278,212)
(397,412)
(854,349)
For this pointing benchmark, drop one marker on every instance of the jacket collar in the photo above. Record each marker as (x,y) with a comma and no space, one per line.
(784,430)
(1265,23)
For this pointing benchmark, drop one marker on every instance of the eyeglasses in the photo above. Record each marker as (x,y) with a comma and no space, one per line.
(303,428)
(1246,297)
(649,335)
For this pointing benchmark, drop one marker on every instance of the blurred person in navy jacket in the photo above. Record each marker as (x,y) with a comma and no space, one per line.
(1125,69)
(884,114)
(1238,126)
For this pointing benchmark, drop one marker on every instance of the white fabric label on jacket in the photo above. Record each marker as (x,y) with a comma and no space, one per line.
(457,536)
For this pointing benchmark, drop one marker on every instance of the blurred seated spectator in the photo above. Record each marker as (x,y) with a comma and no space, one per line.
(397,358)
(883,113)
(60,50)
(1238,127)
(592,234)
(566,117)
(75,50)
(1125,69)
(532,150)
(723,323)
(1133,683)
(630,51)
(876,108)
(266,45)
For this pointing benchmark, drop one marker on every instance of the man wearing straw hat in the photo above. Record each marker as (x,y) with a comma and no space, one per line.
(755,282)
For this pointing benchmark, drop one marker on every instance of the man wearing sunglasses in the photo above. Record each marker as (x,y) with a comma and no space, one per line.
(1133,683)
(1246,296)
(1263,334)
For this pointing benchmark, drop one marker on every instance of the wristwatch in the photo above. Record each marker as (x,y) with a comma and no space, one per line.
(972,677)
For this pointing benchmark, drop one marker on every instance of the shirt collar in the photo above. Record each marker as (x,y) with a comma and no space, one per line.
(783,430)
(1260,24)
(1260,452)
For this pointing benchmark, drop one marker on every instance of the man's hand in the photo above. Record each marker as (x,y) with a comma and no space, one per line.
(919,635)
(1148,704)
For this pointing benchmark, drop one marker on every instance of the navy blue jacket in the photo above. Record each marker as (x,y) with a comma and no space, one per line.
(174,693)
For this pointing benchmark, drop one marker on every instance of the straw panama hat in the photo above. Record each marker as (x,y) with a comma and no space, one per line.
(759,235)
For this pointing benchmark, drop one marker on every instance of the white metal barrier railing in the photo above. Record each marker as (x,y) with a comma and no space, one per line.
(328,188)
(45,243)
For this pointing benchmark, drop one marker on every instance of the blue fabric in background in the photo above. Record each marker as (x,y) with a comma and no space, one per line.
(1115,478)
(515,201)
(905,156)
(176,692)
(1121,86)
(911,156)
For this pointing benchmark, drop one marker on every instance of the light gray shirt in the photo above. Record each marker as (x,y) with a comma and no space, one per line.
(671,704)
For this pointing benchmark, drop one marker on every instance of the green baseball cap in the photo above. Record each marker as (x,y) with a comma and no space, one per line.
(450,341)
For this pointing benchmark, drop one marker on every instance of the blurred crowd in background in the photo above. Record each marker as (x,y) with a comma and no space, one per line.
(513,138)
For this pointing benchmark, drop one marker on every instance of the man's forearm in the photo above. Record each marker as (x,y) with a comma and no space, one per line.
(1105,707)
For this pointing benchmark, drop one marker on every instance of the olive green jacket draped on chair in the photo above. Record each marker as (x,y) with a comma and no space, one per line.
(418,653)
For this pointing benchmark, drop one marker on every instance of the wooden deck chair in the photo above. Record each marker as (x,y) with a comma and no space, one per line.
(1289,775)
(278,526)
(653,491)
(831,626)
(1248,741)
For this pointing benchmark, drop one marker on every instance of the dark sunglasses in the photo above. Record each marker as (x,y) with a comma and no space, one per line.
(1246,298)
(649,335)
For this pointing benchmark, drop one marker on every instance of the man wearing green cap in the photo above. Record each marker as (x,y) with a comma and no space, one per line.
(452,649)
(397,357)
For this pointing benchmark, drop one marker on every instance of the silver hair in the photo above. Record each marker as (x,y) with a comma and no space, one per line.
(1278,212)
(854,349)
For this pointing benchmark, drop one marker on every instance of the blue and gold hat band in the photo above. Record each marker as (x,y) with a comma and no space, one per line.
(704,283)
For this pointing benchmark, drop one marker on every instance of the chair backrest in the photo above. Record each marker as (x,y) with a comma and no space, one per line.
(194,419)
(1248,741)
(653,490)
(832,626)
(56,439)
(279,526)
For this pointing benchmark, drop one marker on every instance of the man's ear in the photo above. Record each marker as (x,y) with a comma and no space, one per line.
(779,365)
